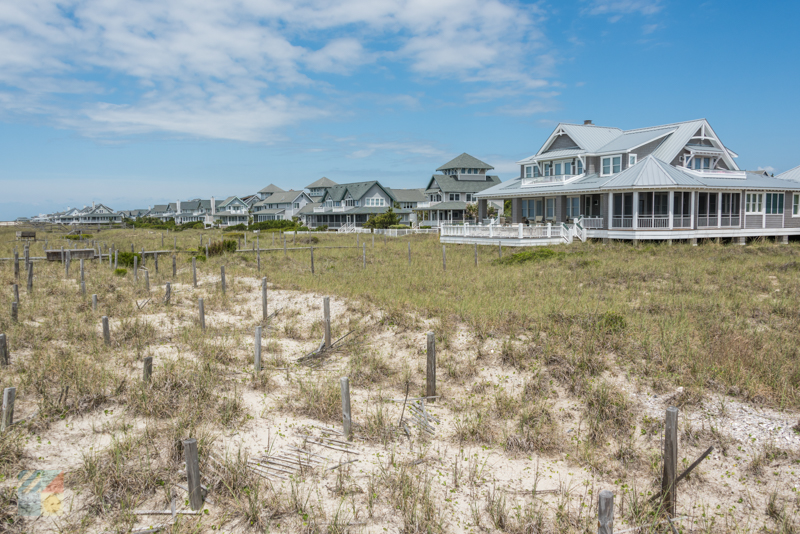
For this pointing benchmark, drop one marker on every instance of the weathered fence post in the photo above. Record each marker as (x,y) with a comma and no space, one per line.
(326,318)
(264,298)
(135,268)
(346,419)
(155,260)
(30,277)
(66,264)
(3,350)
(670,460)
(193,474)
(444,259)
(430,368)
(83,289)
(9,394)
(15,290)
(16,265)
(106,331)
(132,251)
(194,271)
(258,255)
(15,311)
(174,266)
(162,239)
(273,239)
(82,275)
(409,253)
(147,280)
(175,242)
(284,245)
(312,260)
(94,302)
(206,250)
(365,255)
(116,259)
(257,350)
(167,293)
(144,258)
(222,278)
(147,367)
(605,513)
(500,250)
(202,313)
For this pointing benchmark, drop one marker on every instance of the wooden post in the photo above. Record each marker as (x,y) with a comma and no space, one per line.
(194,271)
(476,254)
(430,377)
(9,394)
(193,474)
(15,290)
(365,255)
(16,265)
(162,239)
(106,331)
(444,259)
(239,244)
(167,293)
(116,260)
(147,367)
(264,313)
(155,259)
(66,264)
(500,250)
(326,317)
(284,245)
(94,302)
(132,251)
(147,281)
(670,460)
(174,242)
(273,239)
(30,277)
(206,250)
(258,255)
(3,350)
(312,260)
(202,313)
(15,311)
(174,267)
(144,258)
(294,238)
(605,513)
(222,278)
(409,253)
(135,268)
(82,276)
(257,350)
(83,289)
(346,419)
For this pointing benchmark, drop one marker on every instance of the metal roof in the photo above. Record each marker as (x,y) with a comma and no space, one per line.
(271,188)
(590,137)
(272,211)
(562,153)
(791,174)
(286,197)
(454,205)
(356,190)
(465,161)
(449,184)
(650,172)
(409,195)
(629,140)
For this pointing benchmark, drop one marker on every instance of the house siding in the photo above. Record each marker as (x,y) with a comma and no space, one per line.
(775,221)
(788,220)
(647,149)
(754,221)
(561,142)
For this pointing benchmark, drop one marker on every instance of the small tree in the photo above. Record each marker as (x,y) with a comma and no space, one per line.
(491,211)
(384,220)
(472,211)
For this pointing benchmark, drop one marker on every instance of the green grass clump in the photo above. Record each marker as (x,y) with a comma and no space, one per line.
(120,271)
(539,254)
(218,248)
(78,237)
(126,258)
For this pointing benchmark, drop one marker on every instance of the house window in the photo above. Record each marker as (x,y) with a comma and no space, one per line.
(568,167)
(455,197)
(469,197)
(580,167)
(753,202)
(547,169)
(611,165)
(551,208)
(774,203)
(297,205)
(529,171)
(558,169)
(795,205)
(702,163)
(536,173)
(573,207)
(631,160)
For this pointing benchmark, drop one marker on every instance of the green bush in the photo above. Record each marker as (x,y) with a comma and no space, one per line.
(424,227)
(152,223)
(218,248)
(540,254)
(271,225)
(302,229)
(126,258)
(120,272)
(234,235)
(241,227)
(197,225)
(198,257)
(76,237)
(323,228)
(399,227)
(384,220)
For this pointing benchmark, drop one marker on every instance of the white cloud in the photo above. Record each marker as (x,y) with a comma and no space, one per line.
(615,9)
(402,149)
(244,69)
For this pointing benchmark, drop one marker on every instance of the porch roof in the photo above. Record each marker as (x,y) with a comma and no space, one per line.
(454,205)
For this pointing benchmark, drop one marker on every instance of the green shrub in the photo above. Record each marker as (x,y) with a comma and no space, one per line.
(271,225)
(198,257)
(323,228)
(120,272)
(126,258)
(218,248)
(399,227)
(611,322)
(540,254)
(302,229)
(424,227)
(384,220)
(234,235)
(197,225)
(241,227)
(152,223)
(76,237)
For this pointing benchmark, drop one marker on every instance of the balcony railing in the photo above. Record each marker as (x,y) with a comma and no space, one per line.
(593,223)
(546,180)
(321,209)
(659,221)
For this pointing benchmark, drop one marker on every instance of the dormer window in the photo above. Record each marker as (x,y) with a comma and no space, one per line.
(580,167)
(702,163)
(611,165)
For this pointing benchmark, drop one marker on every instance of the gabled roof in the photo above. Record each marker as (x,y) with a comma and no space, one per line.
(448,184)
(356,190)
(286,197)
(409,195)
(650,172)
(791,174)
(97,207)
(465,161)
(229,201)
(633,139)
(322,182)
(271,188)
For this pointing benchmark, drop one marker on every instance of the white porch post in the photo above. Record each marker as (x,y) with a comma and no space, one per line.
(549,230)
(610,211)
(635,210)
(520,230)
(719,210)
(671,209)
(691,215)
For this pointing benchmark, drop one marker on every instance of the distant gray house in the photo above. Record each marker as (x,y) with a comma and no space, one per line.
(280,206)
(317,189)
(267,191)
(676,181)
(349,206)
(449,192)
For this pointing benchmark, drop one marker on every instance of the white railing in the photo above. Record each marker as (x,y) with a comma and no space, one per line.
(654,222)
(555,231)
(347,228)
(579,231)
(321,209)
(592,223)
(545,180)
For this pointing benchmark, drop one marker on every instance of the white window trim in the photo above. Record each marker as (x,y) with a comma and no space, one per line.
(796,202)
(747,204)
(610,164)
(775,193)
(635,159)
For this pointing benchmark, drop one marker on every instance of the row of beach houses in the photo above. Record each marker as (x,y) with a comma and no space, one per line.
(670,182)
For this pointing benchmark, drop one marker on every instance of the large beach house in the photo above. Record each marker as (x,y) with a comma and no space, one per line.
(675,181)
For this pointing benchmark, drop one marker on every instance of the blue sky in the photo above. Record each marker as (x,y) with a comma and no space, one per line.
(134,103)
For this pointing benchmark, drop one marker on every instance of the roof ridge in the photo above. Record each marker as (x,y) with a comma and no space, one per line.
(663,125)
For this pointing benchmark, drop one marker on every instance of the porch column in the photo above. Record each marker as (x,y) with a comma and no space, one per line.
(610,210)
(671,209)
(719,210)
(635,210)
(691,217)
(482,208)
